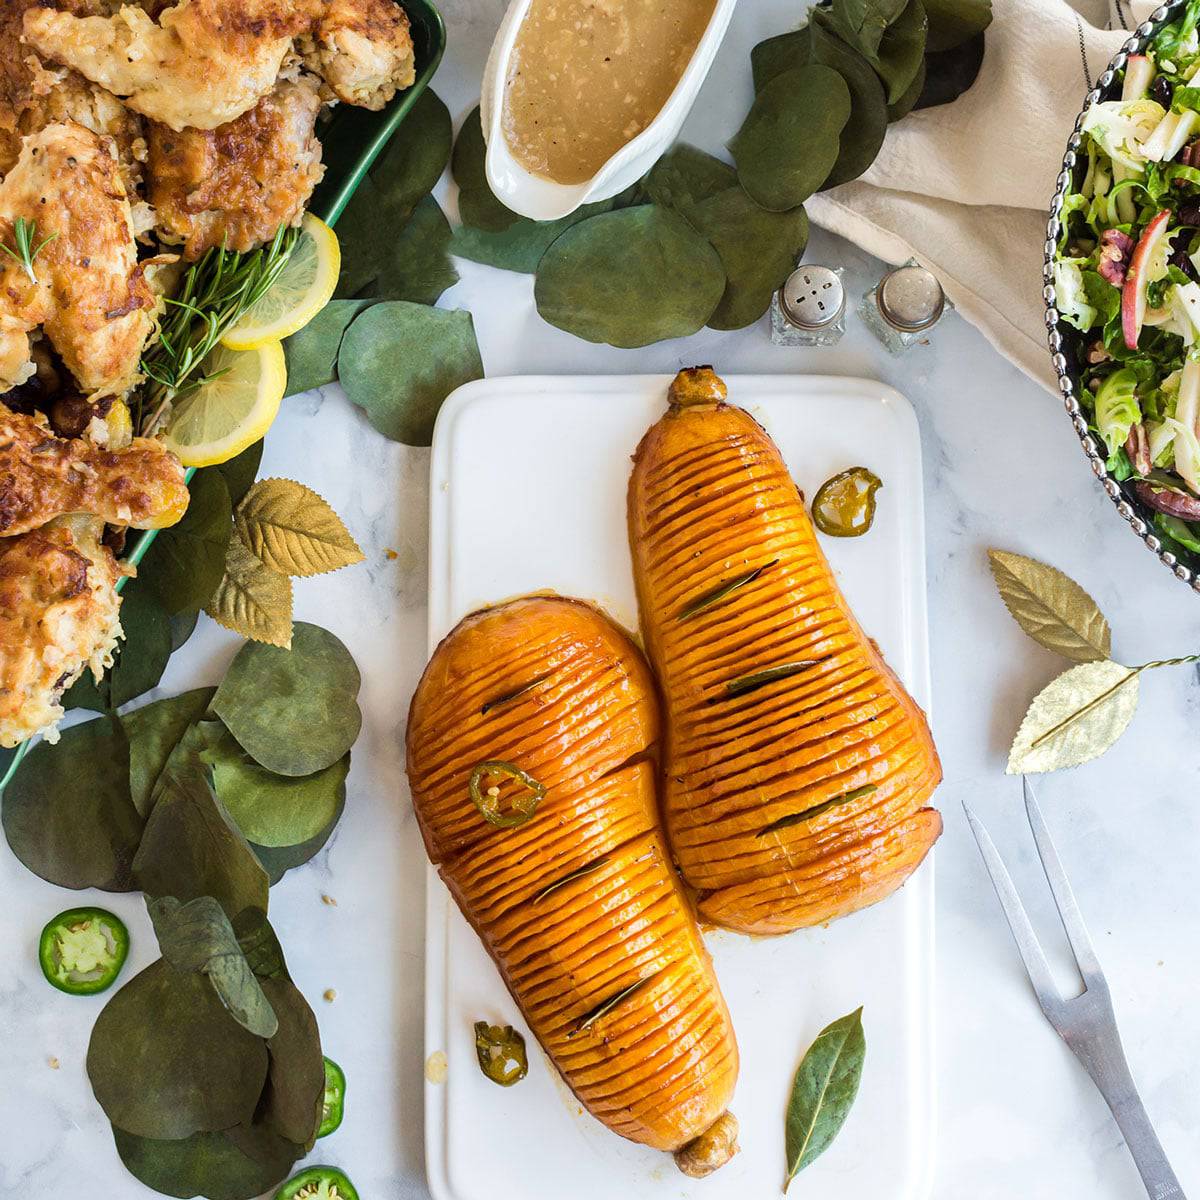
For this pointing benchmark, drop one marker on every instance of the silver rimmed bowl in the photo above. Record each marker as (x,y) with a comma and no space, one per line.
(1067,344)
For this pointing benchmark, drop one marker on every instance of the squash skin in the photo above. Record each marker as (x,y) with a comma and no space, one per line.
(710,500)
(660,1068)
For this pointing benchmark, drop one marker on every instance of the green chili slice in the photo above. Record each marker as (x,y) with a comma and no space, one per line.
(817,809)
(501,1053)
(844,506)
(750,683)
(509,697)
(487,799)
(707,599)
(333,1103)
(83,950)
(603,1009)
(318,1183)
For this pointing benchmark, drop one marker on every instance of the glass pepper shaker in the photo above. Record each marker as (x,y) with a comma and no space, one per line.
(904,306)
(810,308)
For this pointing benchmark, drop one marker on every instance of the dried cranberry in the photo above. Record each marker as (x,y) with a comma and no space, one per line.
(1181,260)
(1188,214)
(1162,90)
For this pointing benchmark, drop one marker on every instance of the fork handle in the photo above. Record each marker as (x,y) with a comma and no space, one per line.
(1107,1066)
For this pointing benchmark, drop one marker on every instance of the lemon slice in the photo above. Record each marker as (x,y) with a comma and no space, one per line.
(303,288)
(220,418)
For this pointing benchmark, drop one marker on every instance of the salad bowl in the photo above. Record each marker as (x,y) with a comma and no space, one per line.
(1129,237)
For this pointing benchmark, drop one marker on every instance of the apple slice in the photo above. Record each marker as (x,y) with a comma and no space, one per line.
(1133,295)
(1139,74)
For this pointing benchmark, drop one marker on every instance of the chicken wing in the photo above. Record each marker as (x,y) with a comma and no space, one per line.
(87,289)
(201,63)
(363,49)
(43,477)
(59,614)
(237,184)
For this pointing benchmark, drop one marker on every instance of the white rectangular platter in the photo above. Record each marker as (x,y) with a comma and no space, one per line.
(528,493)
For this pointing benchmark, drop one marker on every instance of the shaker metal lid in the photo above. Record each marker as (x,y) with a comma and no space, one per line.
(812,297)
(910,298)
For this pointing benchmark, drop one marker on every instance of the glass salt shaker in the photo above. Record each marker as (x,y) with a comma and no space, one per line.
(904,306)
(810,308)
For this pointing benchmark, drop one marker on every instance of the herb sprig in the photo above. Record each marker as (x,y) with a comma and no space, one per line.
(27,247)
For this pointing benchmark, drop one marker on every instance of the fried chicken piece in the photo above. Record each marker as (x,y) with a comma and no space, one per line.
(237,184)
(59,613)
(363,49)
(88,291)
(201,64)
(43,477)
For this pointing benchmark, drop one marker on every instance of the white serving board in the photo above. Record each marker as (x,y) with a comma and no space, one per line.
(528,493)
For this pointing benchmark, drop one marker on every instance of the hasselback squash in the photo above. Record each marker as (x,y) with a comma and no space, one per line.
(529,744)
(796,768)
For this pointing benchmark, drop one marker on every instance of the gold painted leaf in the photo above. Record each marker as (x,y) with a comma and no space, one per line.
(1075,718)
(252,599)
(293,530)
(1051,607)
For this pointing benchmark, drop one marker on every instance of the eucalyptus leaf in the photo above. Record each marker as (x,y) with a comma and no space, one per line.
(1075,718)
(399,361)
(278,860)
(251,599)
(416,155)
(953,22)
(789,141)
(359,241)
(418,266)
(274,810)
(630,277)
(166,1059)
(312,353)
(950,73)
(477,204)
(191,846)
(293,530)
(823,1092)
(902,50)
(758,249)
(860,140)
(242,470)
(863,23)
(154,730)
(520,246)
(68,814)
(183,625)
(684,176)
(185,563)
(260,944)
(198,936)
(291,1102)
(1051,607)
(778,54)
(912,94)
(204,1164)
(293,711)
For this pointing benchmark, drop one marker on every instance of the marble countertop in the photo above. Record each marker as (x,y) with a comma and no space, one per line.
(1016,1114)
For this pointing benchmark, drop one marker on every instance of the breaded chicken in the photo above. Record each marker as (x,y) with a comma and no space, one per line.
(363,49)
(202,63)
(237,184)
(43,477)
(59,614)
(88,291)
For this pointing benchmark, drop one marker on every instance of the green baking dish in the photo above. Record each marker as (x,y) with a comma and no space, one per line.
(351,140)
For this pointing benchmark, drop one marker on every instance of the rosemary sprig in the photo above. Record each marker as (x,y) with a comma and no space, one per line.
(717,594)
(817,809)
(213,295)
(605,1007)
(27,246)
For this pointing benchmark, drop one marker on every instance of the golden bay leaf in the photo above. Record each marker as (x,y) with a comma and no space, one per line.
(293,530)
(252,599)
(1051,607)
(1075,718)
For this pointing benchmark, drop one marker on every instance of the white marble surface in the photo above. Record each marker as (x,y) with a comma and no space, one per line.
(1017,1116)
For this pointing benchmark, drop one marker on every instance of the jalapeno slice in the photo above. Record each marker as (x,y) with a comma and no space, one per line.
(83,950)
(844,506)
(501,1053)
(318,1183)
(333,1104)
(487,797)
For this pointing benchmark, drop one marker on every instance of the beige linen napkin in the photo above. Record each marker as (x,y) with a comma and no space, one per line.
(965,188)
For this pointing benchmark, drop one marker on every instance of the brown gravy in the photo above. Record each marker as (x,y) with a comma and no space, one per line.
(588,76)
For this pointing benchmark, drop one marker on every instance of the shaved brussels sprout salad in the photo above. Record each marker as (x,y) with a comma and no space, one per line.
(1127,276)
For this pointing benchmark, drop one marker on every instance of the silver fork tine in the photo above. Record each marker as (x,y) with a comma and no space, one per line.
(1064,896)
(1018,920)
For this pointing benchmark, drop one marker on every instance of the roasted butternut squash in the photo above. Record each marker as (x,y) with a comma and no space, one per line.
(796,768)
(559,864)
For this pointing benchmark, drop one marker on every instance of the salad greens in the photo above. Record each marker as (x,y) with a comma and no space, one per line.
(1126,275)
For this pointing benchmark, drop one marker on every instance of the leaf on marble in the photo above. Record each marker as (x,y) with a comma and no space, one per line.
(1051,607)
(1075,718)
(252,599)
(154,730)
(293,530)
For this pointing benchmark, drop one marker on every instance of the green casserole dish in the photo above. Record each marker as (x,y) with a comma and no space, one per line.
(351,140)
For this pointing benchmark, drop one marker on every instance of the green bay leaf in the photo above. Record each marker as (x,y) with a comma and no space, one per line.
(823,1092)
